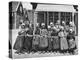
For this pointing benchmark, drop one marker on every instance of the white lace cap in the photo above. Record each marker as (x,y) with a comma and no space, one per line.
(49,26)
(42,24)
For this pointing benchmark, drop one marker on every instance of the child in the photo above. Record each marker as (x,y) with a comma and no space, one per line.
(72,45)
(43,45)
(28,40)
(49,39)
(36,38)
(71,38)
(20,40)
(63,41)
(56,44)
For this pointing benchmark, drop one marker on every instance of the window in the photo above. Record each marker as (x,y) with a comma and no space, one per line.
(11,20)
(66,16)
(63,16)
(50,17)
(40,18)
(56,17)
(47,17)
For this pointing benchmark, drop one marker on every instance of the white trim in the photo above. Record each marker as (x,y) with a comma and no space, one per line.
(47,18)
(27,5)
(59,17)
(55,8)
(44,17)
(15,22)
(17,6)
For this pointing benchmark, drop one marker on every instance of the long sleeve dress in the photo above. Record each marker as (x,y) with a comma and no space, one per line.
(71,38)
(28,40)
(19,41)
(36,39)
(55,39)
(63,40)
(49,40)
(43,40)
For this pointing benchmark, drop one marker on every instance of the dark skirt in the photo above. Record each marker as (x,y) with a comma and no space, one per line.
(55,43)
(63,43)
(43,43)
(10,46)
(28,43)
(19,43)
(49,44)
(35,43)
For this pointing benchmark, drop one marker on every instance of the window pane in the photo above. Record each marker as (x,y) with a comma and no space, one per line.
(68,18)
(55,17)
(63,16)
(50,17)
(40,18)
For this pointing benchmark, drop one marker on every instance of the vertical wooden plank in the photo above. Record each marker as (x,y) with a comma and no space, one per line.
(44,17)
(33,27)
(65,18)
(73,17)
(70,16)
(34,22)
(53,17)
(15,20)
(47,18)
(35,18)
(59,16)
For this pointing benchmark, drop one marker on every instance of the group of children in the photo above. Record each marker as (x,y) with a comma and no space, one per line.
(54,38)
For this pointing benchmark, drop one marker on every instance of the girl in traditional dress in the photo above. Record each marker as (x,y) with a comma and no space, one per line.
(20,40)
(49,39)
(66,28)
(36,38)
(43,44)
(28,40)
(71,38)
(55,39)
(63,41)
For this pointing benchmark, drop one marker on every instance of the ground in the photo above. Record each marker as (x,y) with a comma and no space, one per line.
(38,54)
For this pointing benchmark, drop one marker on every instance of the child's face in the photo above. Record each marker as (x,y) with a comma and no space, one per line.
(26,22)
(71,39)
(49,28)
(22,27)
(57,26)
(43,26)
(51,25)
